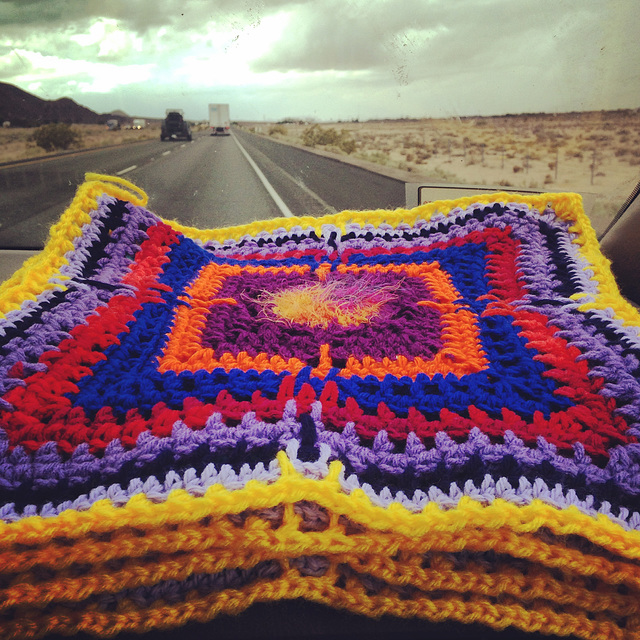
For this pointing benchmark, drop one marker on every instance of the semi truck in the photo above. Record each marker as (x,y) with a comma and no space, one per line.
(219,120)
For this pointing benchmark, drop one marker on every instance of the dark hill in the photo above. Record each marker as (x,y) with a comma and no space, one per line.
(23,109)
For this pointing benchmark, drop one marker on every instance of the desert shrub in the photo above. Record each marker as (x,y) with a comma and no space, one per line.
(599,137)
(376,156)
(517,169)
(56,135)
(278,129)
(548,179)
(380,157)
(407,142)
(316,135)
(348,145)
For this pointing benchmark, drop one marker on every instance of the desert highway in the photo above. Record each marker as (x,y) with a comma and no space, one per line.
(208,182)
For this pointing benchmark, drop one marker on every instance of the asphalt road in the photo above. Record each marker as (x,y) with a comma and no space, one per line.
(208,182)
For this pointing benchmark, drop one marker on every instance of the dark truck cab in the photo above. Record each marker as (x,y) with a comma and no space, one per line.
(175,126)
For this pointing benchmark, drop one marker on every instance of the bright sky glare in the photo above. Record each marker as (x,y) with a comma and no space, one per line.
(325,59)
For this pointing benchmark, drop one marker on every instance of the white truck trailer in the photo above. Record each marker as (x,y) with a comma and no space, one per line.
(219,120)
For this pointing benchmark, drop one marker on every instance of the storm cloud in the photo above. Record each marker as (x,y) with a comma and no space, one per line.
(328,59)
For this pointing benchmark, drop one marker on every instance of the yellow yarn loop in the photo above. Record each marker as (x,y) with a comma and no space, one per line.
(42,271)
(467,519)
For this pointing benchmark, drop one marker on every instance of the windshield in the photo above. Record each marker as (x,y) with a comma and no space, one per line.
(541,96)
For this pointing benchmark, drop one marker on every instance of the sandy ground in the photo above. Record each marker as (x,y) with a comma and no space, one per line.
(591,153)
(596,154)
(15,143)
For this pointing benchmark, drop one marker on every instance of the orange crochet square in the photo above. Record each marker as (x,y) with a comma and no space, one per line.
(461,352)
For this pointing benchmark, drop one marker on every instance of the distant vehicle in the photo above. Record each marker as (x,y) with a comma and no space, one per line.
(113,124)
(219,120)
(175,126)
(139,123)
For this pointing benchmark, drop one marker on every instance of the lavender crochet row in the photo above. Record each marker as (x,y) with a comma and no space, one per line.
(542,472)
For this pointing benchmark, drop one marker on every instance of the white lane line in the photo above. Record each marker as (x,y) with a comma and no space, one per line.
(166,153)
(131,168)
(312,194)
(267,185)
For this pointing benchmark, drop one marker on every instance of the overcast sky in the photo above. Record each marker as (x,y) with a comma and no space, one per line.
(326,59)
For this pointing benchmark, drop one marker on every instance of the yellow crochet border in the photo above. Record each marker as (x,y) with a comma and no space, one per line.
(466,520)
(41,272)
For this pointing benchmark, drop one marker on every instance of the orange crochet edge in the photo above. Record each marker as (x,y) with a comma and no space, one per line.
(501,525)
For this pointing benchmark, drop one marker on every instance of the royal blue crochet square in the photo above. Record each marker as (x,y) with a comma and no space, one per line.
(129,377)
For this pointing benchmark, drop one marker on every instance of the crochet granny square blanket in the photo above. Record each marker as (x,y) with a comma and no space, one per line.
(429,413)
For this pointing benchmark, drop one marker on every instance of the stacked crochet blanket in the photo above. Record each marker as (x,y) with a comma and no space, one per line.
(430,413)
